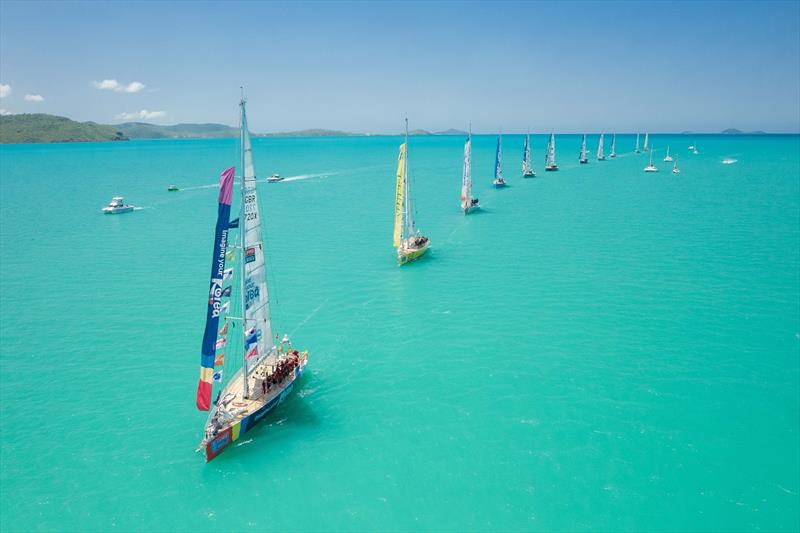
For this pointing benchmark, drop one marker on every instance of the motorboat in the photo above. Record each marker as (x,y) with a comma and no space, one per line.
(116,206)
(173,188)
(274,178)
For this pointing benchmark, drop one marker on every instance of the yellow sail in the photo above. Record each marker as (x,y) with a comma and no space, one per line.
(398,201)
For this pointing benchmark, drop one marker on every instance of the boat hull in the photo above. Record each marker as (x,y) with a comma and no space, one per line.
(584,161)
(529,175)
(231,434)
(552,168)
(408,256)
(117,210)
(498,184)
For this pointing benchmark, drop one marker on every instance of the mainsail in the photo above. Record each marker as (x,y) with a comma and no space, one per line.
(637,143)
(646,136)
(399,201)
(498,159)
(613,145)
(256,325)
(550,155)
(582,157)
(600,154)
(216,291)
(526,156)
(466,176)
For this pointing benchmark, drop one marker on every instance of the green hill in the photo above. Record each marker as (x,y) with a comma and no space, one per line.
(144,130)
(42,128)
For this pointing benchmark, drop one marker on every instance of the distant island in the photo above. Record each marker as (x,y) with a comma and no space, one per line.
(451,132)
(43,128)
(144,130)
(734,131)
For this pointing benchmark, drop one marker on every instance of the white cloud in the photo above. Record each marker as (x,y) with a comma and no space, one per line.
(134,87)
(144,114)
(34,98)
(5,90)
(106,84)
(5,112)
(114,85)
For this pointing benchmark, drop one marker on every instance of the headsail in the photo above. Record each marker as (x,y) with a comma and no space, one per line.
(209,347)
(256,325)
(466,176)
(399,202)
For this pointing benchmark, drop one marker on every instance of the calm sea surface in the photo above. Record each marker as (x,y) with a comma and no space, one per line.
(597,349)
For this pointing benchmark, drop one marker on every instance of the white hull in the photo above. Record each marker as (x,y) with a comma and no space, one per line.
(117,210)
(650,168)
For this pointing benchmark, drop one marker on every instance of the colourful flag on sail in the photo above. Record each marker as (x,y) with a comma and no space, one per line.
(218,376)
(251,338)
(226,292)
(220,343)
(224,330)
(219,360)
(230,255)
(225,307)
(227,274)
(208,350)
(252,352)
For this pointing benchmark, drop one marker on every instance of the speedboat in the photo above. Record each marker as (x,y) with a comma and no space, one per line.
(499,182)
(274,178)
(117,206)
(173,188)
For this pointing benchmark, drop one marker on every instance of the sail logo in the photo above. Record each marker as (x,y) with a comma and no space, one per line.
(249,255)
(251,292)
(215,296)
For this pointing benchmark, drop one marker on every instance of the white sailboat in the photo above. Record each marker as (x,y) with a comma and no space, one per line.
(600,155)
(499,182)
(651,167)
(468,203)
(694,149)
(267,369)
(613,145)
(667,157)
(409,243)
(646,142)
(550,155)
(637,150)
(527,169)
(583,159)
(675,169)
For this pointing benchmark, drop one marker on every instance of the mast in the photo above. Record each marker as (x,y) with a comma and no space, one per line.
(409,217)
(240,253)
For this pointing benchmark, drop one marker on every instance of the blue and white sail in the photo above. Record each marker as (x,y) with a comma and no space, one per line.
(527,170)
(498,159)
(256,322)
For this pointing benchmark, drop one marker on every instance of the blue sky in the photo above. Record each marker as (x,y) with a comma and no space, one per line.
(568,66)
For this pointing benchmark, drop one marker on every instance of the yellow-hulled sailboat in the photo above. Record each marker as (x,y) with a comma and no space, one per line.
(409,243)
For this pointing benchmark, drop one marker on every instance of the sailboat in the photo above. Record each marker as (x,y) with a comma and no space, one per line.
(694,149)
(468,203)
(675,169)
(613,145)
(646,144)
(651,167)
(527,170)
(600,155)
(550,155)
(409,243)
(582,159)
(637,144)
(667,157)
(498,164)
(267,369)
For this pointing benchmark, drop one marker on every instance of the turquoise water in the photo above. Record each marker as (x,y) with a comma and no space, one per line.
(597,349)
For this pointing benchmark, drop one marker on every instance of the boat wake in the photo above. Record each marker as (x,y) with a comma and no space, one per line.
(210,186)
(307,176)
